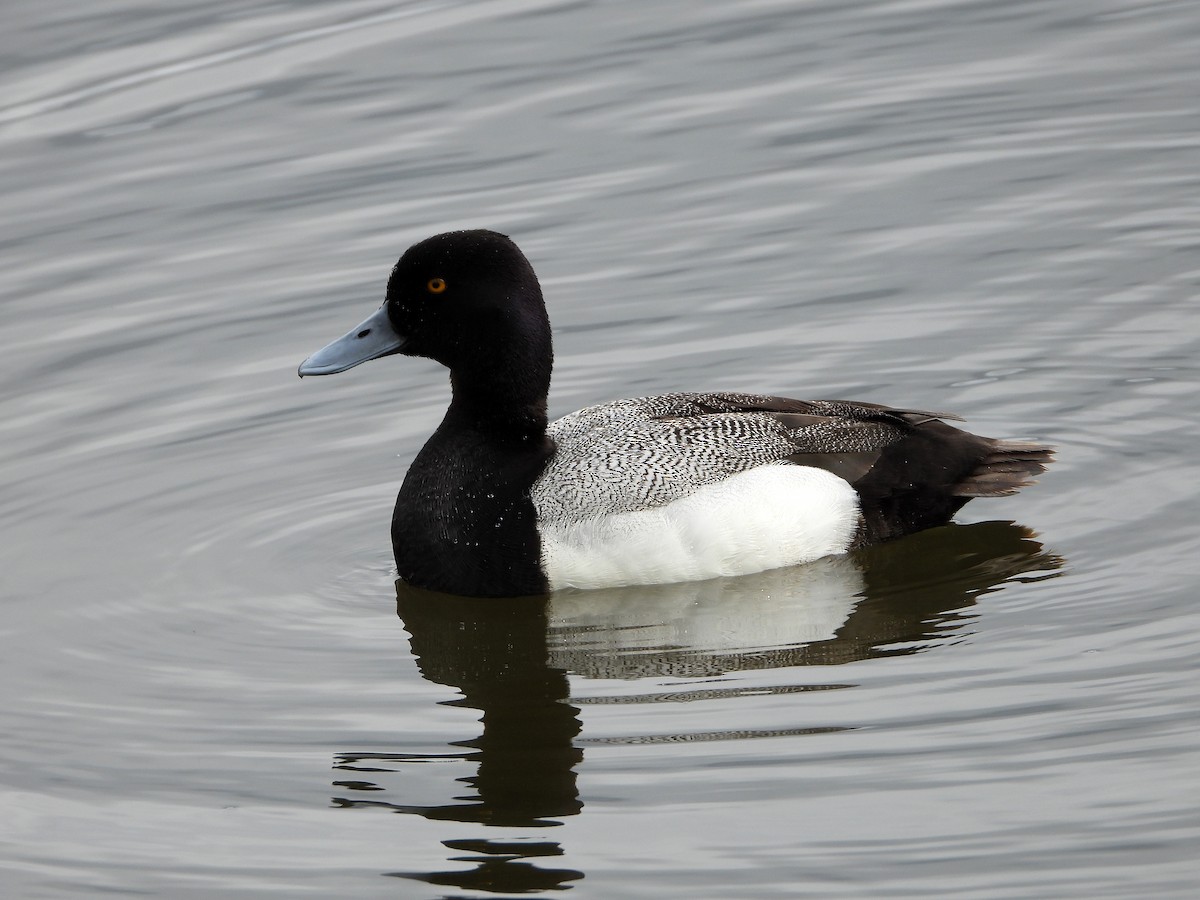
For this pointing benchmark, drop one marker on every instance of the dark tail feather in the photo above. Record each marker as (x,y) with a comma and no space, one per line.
(1005,468)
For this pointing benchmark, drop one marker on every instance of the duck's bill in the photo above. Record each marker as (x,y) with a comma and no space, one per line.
(374,338)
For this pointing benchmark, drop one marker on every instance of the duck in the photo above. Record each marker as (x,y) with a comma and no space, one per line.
(679,487)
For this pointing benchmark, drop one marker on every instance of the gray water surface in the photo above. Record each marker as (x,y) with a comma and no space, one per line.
(210,684)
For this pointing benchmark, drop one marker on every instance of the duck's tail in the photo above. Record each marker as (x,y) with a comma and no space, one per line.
(1005,468)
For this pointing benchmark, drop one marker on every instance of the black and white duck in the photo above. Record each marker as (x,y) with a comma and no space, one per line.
(649,490)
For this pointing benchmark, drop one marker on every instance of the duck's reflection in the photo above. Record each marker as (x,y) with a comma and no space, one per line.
(510,659)
(495,653)
(885,600)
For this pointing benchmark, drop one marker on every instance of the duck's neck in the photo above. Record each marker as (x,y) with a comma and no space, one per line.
(507,401)
(465,521)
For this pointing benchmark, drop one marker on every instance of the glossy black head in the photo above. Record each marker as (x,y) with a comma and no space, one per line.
(470,300)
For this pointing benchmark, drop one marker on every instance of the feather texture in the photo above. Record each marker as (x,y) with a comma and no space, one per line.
(645,452)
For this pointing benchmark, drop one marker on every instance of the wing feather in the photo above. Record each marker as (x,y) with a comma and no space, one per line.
(648,451)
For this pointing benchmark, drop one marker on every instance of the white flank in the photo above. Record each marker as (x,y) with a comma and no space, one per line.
(763,518)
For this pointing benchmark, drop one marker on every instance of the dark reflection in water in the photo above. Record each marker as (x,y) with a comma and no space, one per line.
(511,658)
(499,868)
(495,653)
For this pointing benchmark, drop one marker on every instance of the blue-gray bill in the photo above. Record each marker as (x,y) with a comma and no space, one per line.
(373,338)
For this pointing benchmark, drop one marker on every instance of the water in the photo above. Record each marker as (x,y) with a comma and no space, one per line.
(205,690)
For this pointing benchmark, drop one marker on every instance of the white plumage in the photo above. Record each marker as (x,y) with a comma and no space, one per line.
(750,522)
(654,490)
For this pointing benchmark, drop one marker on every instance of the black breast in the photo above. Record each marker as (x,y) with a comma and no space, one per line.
(464,522)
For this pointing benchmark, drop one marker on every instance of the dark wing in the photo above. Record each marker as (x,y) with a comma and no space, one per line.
(910,468)
(842,437)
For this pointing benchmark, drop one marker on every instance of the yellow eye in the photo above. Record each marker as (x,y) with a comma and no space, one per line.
(435,285)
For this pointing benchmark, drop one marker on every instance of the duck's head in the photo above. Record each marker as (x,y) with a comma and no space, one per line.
(468,299)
